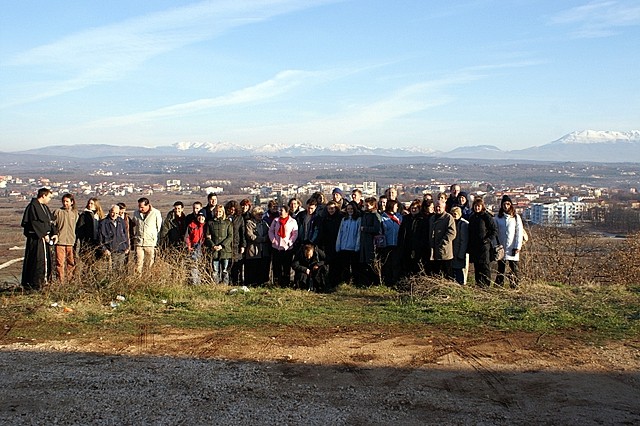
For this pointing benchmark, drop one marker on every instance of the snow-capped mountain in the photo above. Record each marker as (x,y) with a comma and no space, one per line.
(585,145)
(295,150)
(599,136)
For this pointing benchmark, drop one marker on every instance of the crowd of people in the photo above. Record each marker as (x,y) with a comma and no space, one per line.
(313,246)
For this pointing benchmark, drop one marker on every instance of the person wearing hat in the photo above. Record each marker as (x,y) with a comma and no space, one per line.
(194,238)
(465,205)
(510,236)
(338,198)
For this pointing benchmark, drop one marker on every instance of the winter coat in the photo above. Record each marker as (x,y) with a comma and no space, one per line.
(219,232)
(87,227)
(291,234)
(412,235)
(257,239)
(173,229)
(391,229)
(442,232)
(147,228)
(510,235)
(371,224)
(460,244)
(195,234)
(308,232)
(237,222)
(328,233)
(301,263)
(113,235)
(348,235)
(482,230)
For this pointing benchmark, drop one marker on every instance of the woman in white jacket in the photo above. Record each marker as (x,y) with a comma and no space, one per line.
(510,236)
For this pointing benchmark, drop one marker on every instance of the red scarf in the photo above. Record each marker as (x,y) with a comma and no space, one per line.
(281,230)
(394,218)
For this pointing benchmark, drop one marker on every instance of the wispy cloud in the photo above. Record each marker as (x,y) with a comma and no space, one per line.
(599,19)
(283,82)
(367,117)
(108,53)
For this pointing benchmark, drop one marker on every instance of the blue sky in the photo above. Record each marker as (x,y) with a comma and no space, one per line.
(404,73)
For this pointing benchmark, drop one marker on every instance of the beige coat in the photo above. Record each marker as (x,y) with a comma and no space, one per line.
(442,232)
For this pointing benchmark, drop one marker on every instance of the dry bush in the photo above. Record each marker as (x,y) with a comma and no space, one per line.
(572,256)
(94,279)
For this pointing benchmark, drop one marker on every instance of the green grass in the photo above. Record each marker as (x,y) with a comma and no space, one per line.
(611,312)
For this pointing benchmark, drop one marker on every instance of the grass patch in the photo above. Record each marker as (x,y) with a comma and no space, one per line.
(598,312)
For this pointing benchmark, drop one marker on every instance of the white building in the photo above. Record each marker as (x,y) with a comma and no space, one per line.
(561,213)
(369,188)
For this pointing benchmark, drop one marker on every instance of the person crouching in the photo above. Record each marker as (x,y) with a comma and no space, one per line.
(310,269)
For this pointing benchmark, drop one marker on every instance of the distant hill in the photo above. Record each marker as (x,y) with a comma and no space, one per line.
(586,145)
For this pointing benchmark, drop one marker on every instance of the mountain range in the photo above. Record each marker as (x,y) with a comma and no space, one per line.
(586,145)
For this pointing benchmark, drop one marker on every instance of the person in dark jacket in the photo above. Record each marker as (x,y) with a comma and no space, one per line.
(308,224)
(258,251)
(219,240)
(452,200)
(370,226)
(130,226)
(412,240)
(39,228)
(114,239)
(482,230)
(465,205)
(327,236)
(428,210)
(174,227)
(310,269)
(239,243)
(193,216)
(87,230)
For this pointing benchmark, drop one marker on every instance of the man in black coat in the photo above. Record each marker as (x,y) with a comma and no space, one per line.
(39,228)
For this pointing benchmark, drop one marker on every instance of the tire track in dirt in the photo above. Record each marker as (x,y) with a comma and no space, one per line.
(210,345)
(493,379)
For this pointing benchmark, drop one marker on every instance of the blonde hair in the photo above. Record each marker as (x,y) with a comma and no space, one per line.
(220,207)
(98,207)
(456,212)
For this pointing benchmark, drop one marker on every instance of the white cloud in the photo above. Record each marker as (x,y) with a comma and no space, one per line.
(108,53)
(599,19)
(283,82)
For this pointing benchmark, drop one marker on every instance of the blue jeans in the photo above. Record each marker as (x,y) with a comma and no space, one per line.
(220,272)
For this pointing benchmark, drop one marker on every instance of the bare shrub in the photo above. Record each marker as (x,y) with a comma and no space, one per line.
(95,279)
(571,256)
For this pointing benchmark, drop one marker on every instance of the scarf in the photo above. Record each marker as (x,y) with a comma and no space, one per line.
(281,230)
(394,218)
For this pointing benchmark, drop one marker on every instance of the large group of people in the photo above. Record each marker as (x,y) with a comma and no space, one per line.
(315,245)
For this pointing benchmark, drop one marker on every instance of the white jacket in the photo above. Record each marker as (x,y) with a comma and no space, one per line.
(510,234)
(147,228)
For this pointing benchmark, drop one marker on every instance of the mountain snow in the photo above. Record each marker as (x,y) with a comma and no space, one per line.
(599,136)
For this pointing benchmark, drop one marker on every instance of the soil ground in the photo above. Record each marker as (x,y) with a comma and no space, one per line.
(319,376)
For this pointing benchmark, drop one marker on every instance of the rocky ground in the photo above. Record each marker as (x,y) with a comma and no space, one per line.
(318,376)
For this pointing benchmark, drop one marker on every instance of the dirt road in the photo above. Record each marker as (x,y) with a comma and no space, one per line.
(318,376)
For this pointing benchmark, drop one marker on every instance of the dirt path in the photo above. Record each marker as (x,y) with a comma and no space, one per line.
(319,376)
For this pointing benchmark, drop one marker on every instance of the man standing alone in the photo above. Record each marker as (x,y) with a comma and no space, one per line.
(39,228)
(148,222)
